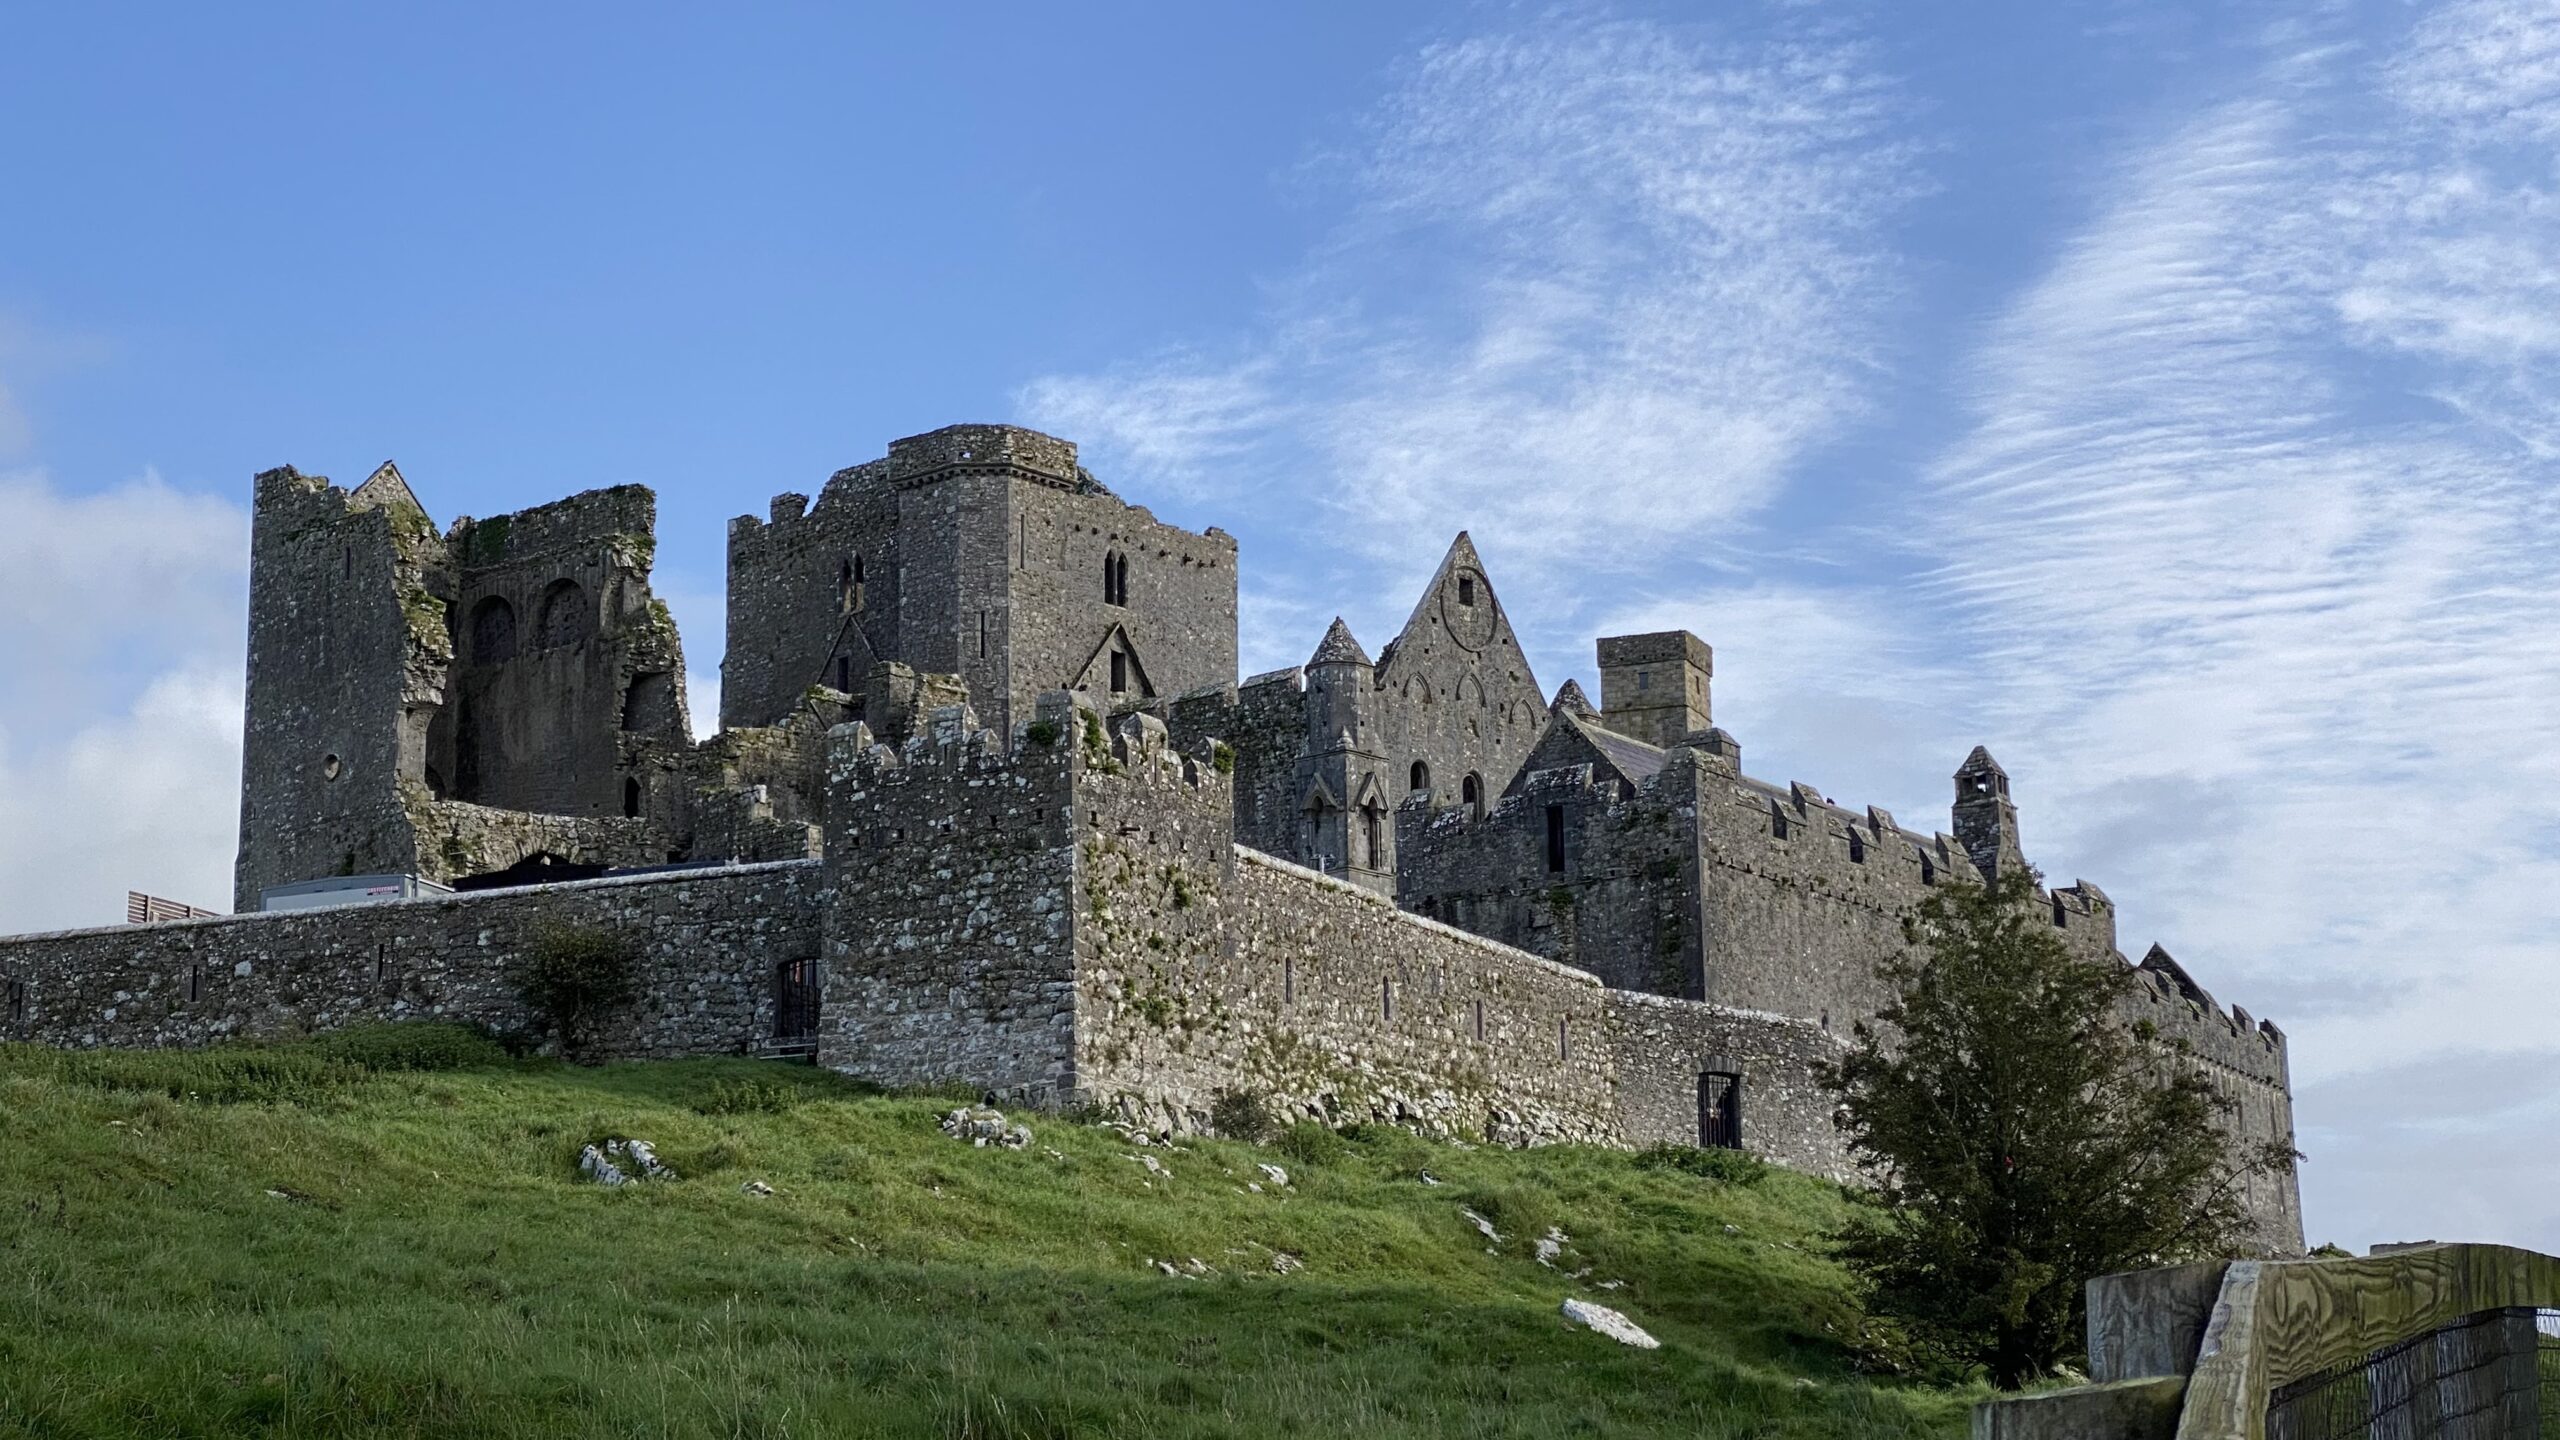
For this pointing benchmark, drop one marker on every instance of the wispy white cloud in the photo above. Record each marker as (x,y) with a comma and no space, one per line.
(120,724)
(1598,286)
(2252,547)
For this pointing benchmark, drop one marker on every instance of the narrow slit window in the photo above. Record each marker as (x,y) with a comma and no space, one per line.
(1857,849)
(982,634)
(1288,982)
(1564,1039)
(195,982)
(1555,838)
(1119,672)
(844,673)
(1386,1000)
(1475,1019)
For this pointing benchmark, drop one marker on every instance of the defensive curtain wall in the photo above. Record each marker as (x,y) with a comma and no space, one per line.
(1071,922)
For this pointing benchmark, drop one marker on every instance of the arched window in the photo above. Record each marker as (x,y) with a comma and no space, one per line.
(1115,578)
(1471,793)
(1420,778)
(566,616)
(1370,830)
(493,631)
(1720,1110)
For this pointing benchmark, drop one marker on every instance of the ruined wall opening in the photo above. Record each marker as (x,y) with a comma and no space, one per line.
(539,868)
(1471,794)
(631,799)
(650,704)
(1720,1110)
(493,631)
(565,617)
(17,1002)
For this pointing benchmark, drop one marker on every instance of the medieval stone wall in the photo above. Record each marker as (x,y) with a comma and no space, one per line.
(813,595)
(1665,1050)
(951,879)
(708,946)
(562,652)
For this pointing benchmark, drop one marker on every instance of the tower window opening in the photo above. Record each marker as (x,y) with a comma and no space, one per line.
(1369,831)
(1471,792)
(1777,821)
(1386,1000)
(2058,917)
(1475,1019)
(631,798)
(1928,871)
(844,673)
(1466,590)
(1420,777)
(1119,672)
(1720,1110)
(1857,848)
(1115,578)
(1564,1039)
(1644,680)
(1555,838)
(982,634)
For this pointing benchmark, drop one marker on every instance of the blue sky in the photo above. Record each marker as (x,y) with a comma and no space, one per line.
(2161,394)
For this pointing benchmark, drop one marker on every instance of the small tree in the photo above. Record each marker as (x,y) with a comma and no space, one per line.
(571,976)
(2024,1137)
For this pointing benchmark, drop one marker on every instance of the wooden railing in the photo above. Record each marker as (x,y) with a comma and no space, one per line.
(2415,1343)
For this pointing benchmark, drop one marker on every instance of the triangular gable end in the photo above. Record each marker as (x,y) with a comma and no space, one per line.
(384,488)
(1115,638)
(1461,555)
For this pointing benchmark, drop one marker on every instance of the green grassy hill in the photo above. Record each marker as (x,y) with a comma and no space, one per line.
(327,1239)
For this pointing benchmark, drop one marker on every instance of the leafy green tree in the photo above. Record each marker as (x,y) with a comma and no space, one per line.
(572,976)
(2024,1138)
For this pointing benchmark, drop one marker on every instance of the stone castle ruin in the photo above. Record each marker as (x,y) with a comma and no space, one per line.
(989,806)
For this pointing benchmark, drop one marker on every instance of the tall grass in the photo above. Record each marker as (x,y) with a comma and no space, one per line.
(382,1235)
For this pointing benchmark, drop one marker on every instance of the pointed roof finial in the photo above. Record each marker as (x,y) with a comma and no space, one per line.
(1338,648)
(1571,698)
(1980,763)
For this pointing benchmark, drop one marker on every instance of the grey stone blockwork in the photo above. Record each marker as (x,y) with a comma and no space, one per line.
(710,945)
(1411,889)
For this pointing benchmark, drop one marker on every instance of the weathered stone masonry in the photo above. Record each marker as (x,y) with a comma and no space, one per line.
(1522,918)
(710,945)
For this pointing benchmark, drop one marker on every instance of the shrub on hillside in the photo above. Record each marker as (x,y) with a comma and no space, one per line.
(572,976)
(1241,1115)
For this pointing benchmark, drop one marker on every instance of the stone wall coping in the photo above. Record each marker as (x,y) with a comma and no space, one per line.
(1495,948)
(1641,1000)
(462,897)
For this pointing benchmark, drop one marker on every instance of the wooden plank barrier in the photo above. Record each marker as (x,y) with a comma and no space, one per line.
(2274,1322)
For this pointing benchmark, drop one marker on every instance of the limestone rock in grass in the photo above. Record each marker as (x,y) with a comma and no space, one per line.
(1430,1179)
(620,1162)
(1484,1227)
(1274,1174)
(982,1127)
(755,1187)
(1550,1246)
(1610,1323)
(1285,1263)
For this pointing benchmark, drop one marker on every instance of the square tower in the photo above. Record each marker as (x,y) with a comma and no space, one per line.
(1654,687)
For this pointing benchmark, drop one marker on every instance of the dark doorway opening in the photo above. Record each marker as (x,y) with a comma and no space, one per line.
(795,1001)
(1720,1110)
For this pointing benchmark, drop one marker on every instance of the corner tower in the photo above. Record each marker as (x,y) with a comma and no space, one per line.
(1347,822)
(1986,821)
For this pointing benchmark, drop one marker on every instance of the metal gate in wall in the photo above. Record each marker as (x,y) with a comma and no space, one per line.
(1720,1110)
(795,1006)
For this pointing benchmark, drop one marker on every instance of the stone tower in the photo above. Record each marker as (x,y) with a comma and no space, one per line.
(982,551)
(348,654)
(1986,823)
(1347,812)
(1654,687)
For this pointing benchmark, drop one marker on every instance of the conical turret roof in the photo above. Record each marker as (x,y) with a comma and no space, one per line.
(1571,698)
(1980,763)
(1338,648)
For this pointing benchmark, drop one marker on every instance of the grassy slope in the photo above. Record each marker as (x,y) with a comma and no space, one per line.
(431,1268)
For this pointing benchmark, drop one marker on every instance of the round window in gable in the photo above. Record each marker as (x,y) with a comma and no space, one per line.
(329,767)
